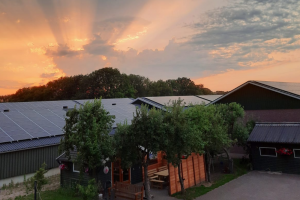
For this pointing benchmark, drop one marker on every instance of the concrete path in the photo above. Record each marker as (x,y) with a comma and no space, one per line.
(258,186)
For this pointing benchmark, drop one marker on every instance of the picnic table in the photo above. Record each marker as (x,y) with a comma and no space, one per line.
(162,174)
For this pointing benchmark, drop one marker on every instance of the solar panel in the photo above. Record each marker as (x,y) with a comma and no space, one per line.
(39,105)
(26,124)
(186,99)
(286,86)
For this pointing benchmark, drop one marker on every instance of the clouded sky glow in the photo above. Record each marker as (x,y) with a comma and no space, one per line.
(220,43)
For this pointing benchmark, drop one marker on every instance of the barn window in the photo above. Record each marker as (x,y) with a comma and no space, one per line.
(76,168)
(296,153)
(268,151)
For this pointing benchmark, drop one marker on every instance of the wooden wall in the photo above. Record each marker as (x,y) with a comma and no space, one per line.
(193,171)
(160,162)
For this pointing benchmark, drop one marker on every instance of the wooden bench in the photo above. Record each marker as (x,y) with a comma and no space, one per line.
(157,183)
(128,191)
(151,174)
(163,168)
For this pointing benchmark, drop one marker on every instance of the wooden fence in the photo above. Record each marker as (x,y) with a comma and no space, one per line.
(193,173)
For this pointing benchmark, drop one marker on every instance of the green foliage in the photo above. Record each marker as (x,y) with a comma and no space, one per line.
(59,194)
(88,192)
(87,129)
(210,123)
(107,83)
(143,136)
(27,184)
(135,142)
(39,177)
(180,138)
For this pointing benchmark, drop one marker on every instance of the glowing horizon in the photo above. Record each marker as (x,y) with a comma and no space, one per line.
(220,44)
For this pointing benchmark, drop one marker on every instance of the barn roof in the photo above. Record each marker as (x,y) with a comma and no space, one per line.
(25,125)
(286,88)
(276,133)
(160,102)
(209,97)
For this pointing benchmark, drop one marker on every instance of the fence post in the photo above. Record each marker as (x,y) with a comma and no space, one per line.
(35,182)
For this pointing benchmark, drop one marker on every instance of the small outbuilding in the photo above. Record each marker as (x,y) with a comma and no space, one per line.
(276,147)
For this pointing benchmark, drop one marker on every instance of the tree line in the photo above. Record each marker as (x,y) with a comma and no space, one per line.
(206,130)
(106,83)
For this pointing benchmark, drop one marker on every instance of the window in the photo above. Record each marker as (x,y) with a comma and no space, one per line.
(153,159)
(76,168)
(296,153)
(268,151)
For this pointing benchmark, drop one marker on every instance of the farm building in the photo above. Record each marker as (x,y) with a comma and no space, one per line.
(30,133)
(266,101)
(275,106)
(192,168)
(276,147)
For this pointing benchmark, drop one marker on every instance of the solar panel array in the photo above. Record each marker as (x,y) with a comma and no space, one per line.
(286,86)
(32,120)
(186,100)
(122,110)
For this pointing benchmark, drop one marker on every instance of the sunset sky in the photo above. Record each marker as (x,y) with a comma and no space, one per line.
(218,43)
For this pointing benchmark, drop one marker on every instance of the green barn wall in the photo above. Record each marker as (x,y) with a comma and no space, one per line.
(27,161)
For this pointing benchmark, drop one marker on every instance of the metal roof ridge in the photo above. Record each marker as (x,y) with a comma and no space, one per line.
(279,90)
(256,83)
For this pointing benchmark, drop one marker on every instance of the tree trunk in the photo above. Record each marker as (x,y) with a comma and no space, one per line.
(230,161)
(181,180)
(146,178)
(208,158)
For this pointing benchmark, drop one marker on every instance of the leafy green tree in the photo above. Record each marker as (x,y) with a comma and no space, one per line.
(87,132)
(241,132)
(232,113)
(140,85)
(180,138)
(208,121)
(160,88)
(134,143)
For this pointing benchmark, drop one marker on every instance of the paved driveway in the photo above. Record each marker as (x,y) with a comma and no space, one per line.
(258,186)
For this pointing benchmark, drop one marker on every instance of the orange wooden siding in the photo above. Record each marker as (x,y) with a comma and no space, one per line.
(193,172)
(160,162)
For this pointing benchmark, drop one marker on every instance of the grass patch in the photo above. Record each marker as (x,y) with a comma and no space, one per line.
(59,194)
(193,192)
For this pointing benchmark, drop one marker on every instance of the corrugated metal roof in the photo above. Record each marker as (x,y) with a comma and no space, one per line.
(209,97)
(186,100)
(276,133)
(122,109)
(160,102)
(29,144)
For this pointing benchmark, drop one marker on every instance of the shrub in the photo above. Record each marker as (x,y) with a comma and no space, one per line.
(89,191)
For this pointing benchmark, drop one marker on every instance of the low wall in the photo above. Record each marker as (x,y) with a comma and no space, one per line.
(20,179)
